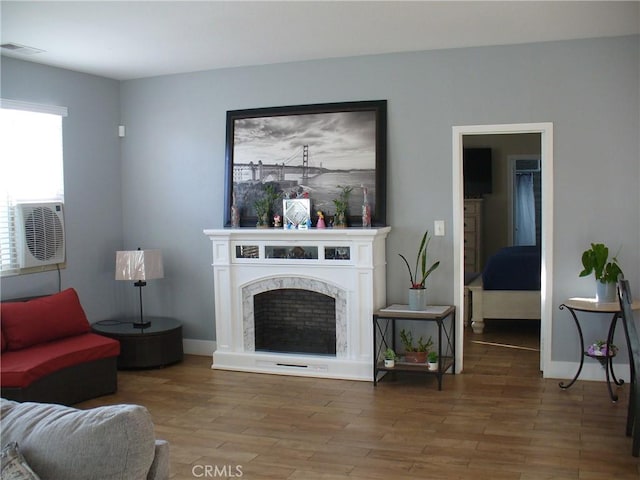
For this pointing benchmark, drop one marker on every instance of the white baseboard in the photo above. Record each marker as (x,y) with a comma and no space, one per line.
(199,347)
(591,371)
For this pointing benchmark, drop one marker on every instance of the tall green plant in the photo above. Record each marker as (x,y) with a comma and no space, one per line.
(264,204)
(421,261)
(595,260)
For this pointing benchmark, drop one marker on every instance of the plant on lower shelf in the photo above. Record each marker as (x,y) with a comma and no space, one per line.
(432,357)
(602,349)
(412,353)
(390,358)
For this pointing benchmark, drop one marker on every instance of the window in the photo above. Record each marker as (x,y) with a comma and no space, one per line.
(31,167)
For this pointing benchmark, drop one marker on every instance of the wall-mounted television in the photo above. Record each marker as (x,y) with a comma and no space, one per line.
(477,171)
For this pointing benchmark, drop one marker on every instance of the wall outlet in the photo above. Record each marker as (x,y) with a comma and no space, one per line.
(438,228)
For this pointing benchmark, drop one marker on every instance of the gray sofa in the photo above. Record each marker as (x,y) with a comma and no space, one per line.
(105,443)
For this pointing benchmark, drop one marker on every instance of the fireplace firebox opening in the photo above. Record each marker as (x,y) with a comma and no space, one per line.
(292,320)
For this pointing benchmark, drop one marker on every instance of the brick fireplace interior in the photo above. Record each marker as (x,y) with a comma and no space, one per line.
(290,320)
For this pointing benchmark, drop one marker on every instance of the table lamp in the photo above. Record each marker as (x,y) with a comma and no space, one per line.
(139,266)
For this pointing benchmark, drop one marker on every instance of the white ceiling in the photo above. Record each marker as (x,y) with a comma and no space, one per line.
(126,40)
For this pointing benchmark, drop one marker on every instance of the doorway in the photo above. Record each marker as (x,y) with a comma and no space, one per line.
(545,133)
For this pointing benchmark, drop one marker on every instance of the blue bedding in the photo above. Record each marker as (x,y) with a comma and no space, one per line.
(513,268)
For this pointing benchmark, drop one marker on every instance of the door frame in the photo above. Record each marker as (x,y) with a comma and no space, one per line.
(546,288)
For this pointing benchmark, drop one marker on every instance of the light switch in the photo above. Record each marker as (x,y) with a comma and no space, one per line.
(438,228)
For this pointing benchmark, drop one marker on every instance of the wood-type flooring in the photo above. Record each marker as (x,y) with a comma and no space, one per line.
(497,420)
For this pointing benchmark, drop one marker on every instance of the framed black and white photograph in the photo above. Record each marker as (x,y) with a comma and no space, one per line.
(308,151)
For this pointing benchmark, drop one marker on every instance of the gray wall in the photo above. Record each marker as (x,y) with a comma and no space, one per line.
(173,156)
(93,200)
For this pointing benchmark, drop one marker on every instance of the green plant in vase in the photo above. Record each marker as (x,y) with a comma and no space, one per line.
(390,358)
(417,290)
(342,203)
(415,353)
(595,259)
(432,360)
(263,206)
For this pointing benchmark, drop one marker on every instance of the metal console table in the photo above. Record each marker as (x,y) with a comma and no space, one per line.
(384,336)
(590,305)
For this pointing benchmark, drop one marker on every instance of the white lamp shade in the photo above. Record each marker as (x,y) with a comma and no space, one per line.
(139,265)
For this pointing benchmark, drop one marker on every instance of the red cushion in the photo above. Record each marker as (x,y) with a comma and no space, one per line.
(19,368)
(3,342)
(42,320)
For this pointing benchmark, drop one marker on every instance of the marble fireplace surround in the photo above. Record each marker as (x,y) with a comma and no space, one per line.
(357,284)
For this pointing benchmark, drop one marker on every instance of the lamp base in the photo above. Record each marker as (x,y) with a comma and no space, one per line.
(141,324)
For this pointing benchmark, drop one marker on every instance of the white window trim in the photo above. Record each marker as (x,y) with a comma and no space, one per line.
(34,107)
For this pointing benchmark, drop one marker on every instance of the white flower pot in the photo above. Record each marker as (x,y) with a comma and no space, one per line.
(389,363)
(605,292)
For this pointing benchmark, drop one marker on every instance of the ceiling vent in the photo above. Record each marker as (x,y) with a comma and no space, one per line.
(19,49)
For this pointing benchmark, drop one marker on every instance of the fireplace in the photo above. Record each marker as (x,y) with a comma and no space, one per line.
(297,302)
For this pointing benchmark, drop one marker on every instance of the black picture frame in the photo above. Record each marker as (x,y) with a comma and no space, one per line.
(346,146)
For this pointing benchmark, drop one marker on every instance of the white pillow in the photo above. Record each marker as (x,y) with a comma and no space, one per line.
(14,466)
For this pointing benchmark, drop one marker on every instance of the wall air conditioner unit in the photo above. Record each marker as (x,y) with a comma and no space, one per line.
(40,234)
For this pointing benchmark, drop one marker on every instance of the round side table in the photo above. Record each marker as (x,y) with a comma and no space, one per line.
(158,345)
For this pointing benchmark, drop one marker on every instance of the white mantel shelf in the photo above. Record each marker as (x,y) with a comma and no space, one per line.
(312,233)
(357,283)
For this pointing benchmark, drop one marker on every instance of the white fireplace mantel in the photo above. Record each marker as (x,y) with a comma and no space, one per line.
(349,262)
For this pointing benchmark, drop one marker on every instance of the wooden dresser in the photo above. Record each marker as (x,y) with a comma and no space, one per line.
(472,235)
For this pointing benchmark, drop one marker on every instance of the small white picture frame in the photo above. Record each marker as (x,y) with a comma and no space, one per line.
(296,213)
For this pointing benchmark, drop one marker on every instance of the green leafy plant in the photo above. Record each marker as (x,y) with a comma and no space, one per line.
(263,205)
(406,337)
(595,260)
(432,357)
(341,203)
(389,354)
(421,261)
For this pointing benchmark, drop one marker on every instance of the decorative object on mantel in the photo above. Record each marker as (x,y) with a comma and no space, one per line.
(418,291)
(415,354)
(235,213)
(342,203)
(321,223)
(366,209)
(264,204)
(296,213)
(605,273)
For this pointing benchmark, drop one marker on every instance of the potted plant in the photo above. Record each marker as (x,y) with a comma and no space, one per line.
(390,358)
(605,272)
(341,203)
(417,290)
(601,348)
(412,353)
(263,205)
(432,360)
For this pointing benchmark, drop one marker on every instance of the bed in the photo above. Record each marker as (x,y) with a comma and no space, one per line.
(509,287)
